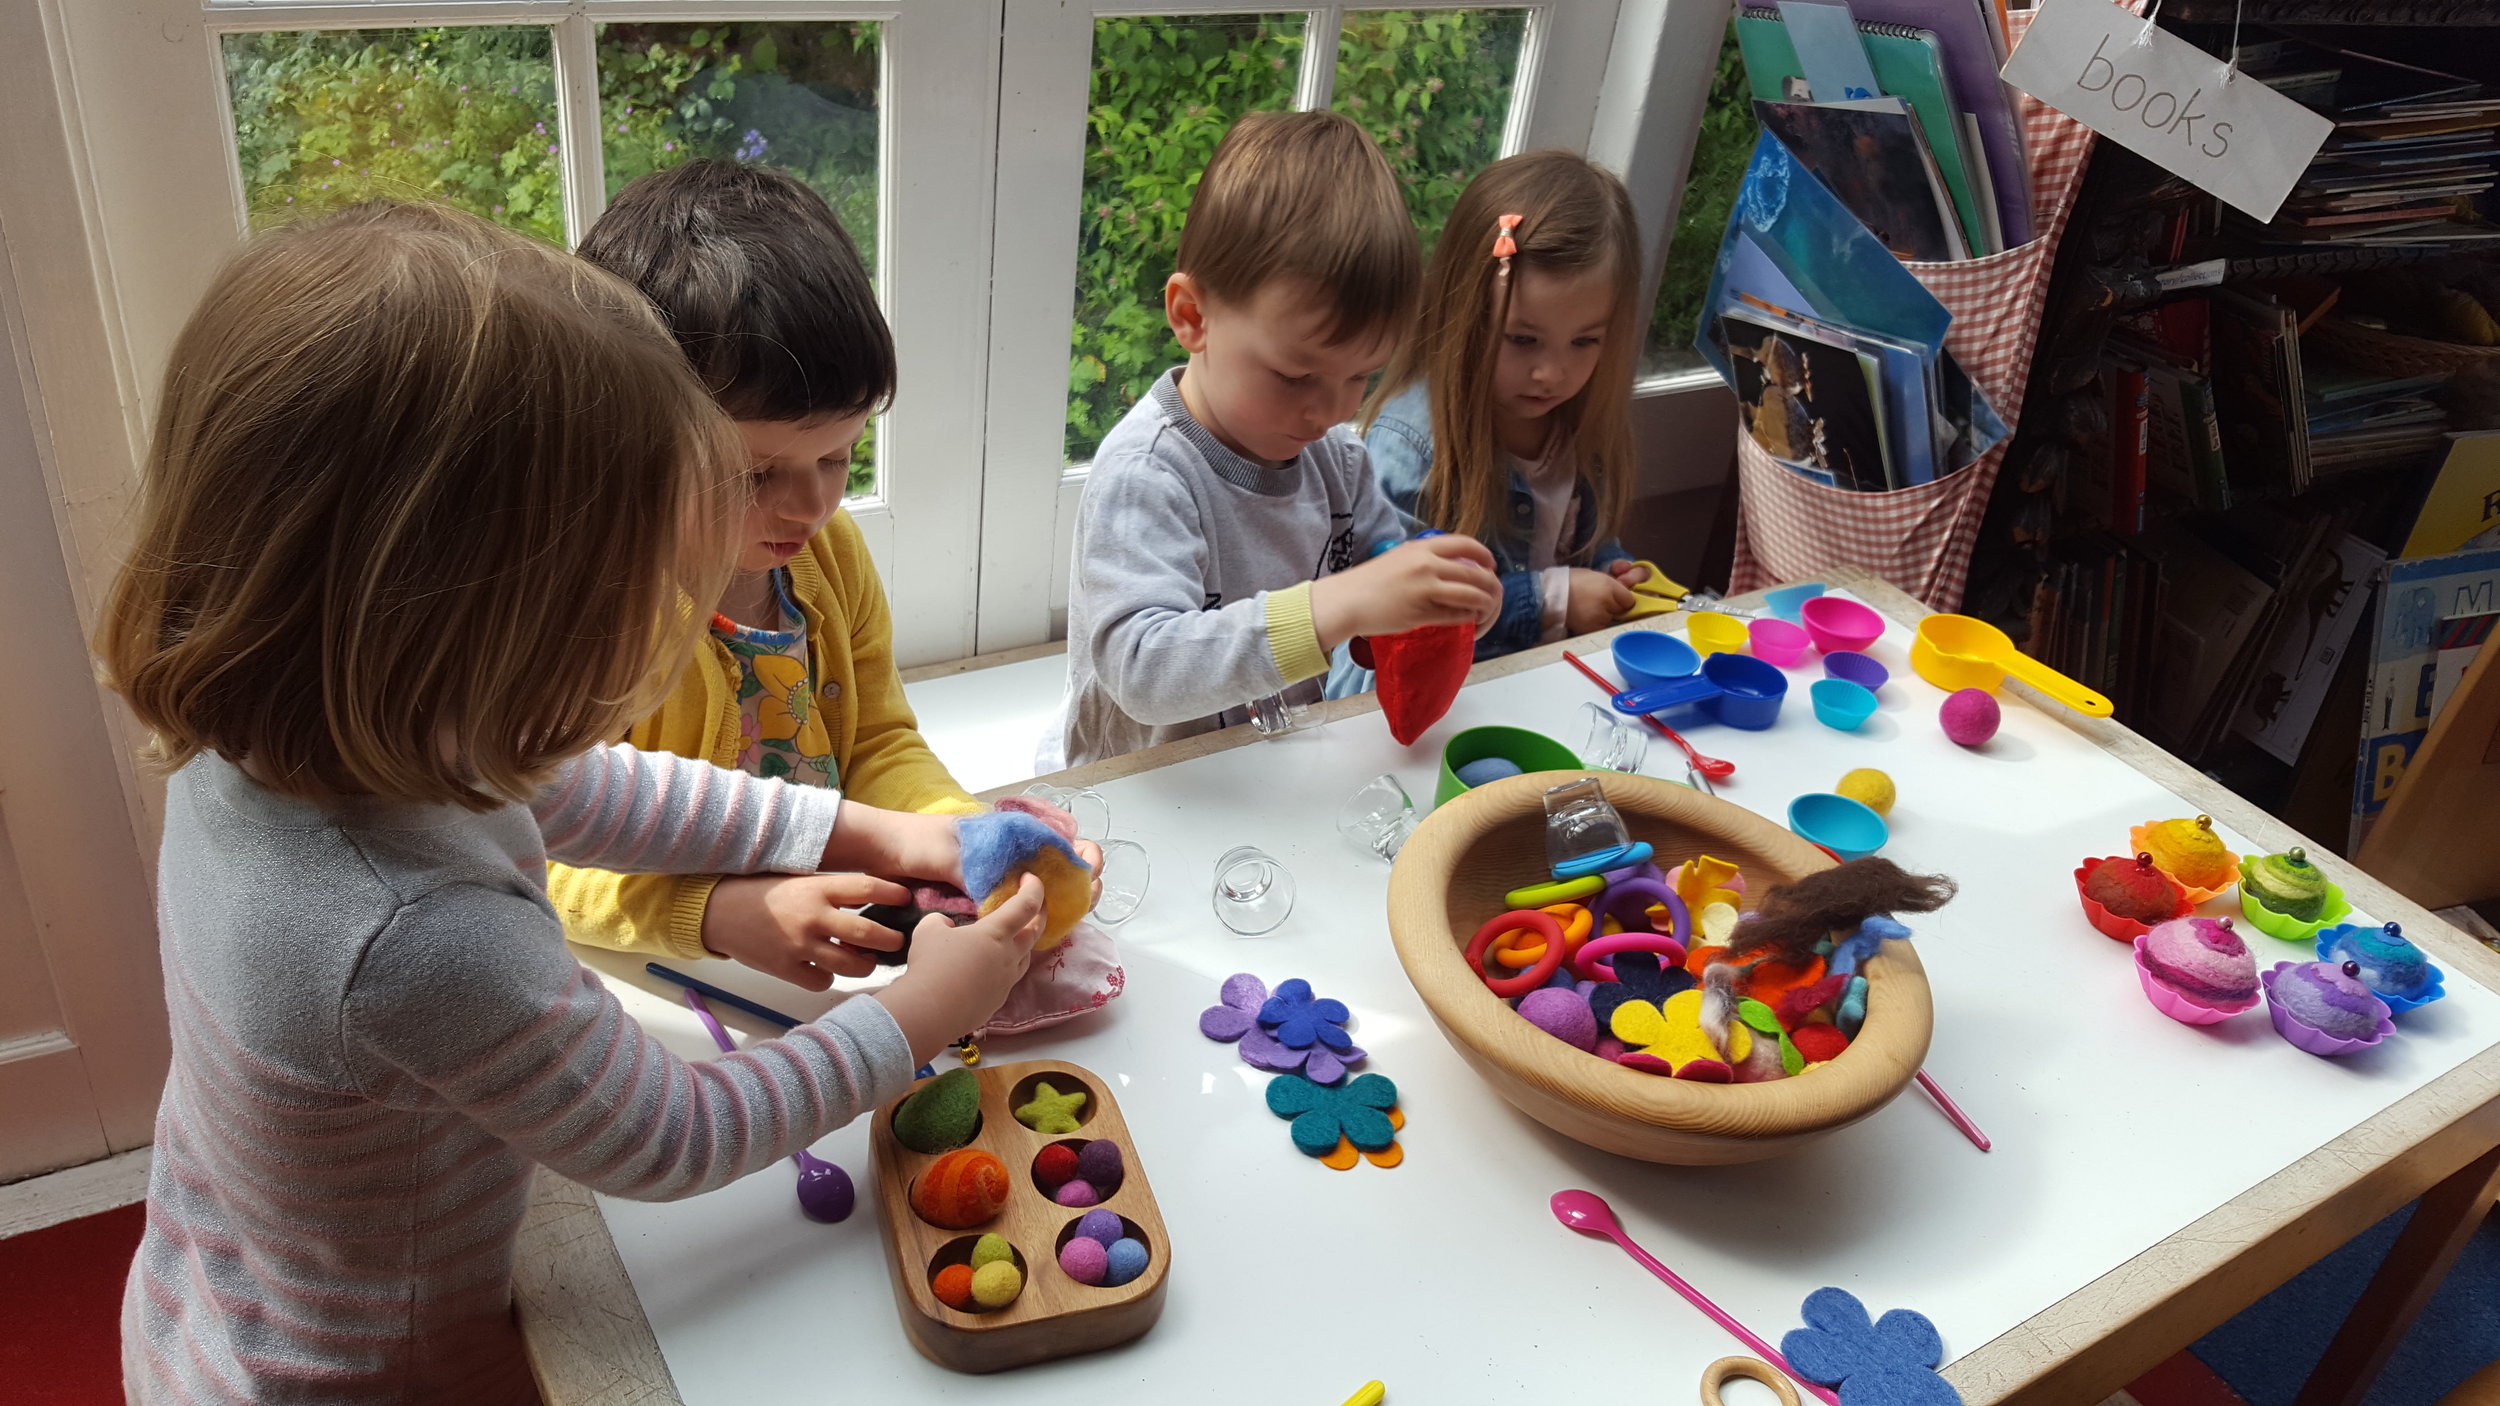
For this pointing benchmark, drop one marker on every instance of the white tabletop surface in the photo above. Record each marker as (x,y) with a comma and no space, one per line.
(1447,1277)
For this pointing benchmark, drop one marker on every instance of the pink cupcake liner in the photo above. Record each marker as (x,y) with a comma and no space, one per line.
(2178,1005)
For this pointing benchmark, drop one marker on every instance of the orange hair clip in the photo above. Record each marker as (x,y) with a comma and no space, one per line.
(1503,245)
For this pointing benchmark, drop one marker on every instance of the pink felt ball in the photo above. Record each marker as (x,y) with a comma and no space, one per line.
(1085,1261)
(1079,1192)
(1970,716)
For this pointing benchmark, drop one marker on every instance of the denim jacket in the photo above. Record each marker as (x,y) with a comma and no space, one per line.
(1400,443)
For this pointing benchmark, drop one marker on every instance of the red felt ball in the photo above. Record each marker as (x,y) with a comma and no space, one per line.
(1053,1165)
(1818,1042)
(954,1286)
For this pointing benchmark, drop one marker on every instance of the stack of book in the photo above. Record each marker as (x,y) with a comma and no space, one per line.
(2411,150)
(2363,421)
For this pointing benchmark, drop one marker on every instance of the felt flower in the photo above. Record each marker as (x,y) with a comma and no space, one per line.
(1888,1362)
(1299,1018)
(1702,881)
(1671,1033)
(1322,1065)
(1358,1112)
(1238,1012)
(1639,976)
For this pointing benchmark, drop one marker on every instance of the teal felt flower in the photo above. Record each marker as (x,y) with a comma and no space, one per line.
(1357,1111)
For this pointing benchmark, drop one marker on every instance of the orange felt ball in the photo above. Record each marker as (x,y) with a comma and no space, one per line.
(954,1286)
(964,1188)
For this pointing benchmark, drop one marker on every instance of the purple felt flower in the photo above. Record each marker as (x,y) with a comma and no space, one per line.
(1320,1064)
(1242,996)
(1890,1361)
(1300,1018)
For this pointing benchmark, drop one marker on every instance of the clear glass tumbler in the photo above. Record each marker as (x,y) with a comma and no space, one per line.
(1378,816)
(1253,891)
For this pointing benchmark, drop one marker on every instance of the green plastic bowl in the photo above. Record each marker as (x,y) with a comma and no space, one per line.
(2292,929)
(1529,751)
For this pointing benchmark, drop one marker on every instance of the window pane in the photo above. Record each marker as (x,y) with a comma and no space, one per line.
(1720,151)
(1433,88)
(462,115)
(802,98)
(1163,91)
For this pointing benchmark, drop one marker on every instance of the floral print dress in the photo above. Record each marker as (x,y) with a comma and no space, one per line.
(781,731)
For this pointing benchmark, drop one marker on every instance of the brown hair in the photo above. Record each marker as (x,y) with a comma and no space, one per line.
(1789,920)
(426,508)
(1576,217)
(1305,195)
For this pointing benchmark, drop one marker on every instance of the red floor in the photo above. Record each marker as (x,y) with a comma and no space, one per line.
(60,1309)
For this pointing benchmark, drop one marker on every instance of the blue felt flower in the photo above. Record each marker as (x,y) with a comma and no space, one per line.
(1300,1018)
(1639,976)
(1357,1111)
(1887,1362)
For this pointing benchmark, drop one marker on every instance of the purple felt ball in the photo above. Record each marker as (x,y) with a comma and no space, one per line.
(1078,1192)
(1098,1162)
(1565,1015)
(1970,716)
(1085,1261)
(1102,1227)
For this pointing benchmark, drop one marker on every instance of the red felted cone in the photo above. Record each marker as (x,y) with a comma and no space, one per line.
(1420,673)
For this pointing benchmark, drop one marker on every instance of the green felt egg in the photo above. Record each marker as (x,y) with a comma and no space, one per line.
(942,1114)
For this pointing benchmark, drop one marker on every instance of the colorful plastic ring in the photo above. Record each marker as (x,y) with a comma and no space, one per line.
(1586,966)
(1575,920)
(1535,976)
(1620,904)
(1546,895)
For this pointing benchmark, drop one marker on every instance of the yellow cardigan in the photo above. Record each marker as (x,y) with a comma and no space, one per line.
(880,756)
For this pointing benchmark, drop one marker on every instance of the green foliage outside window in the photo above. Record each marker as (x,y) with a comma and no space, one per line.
(1720,151)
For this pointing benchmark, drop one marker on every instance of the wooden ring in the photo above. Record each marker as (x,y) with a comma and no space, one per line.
(1533,977)
(1752,1369)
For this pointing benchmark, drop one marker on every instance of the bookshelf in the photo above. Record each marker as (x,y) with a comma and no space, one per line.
(2233,428)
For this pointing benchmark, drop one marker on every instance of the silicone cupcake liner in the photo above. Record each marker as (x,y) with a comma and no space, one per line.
(2289,928)
(2196,896)
(2178,1005)
(2309,1037)
(2396,1005)
(2109,924)
(1857,668)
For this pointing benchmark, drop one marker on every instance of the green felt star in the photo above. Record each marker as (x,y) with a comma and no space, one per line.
(1051,1111)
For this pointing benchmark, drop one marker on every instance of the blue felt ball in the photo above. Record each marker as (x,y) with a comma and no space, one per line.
(1484,769)
(1128,1260)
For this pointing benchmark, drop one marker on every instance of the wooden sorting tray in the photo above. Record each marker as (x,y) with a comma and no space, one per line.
(1055,1316)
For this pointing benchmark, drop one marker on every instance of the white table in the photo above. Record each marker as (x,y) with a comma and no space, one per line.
(2148,1178)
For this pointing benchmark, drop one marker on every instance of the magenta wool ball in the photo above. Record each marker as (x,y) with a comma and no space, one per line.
(1079,1192)
(1970,716)
(1085,1261)
(1565,1015)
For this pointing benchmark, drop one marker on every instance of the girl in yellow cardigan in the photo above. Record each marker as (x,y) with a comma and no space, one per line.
(796,678)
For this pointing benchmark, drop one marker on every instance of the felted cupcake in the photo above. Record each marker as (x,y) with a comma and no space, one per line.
(2196,970)
(2324,1008)
(2387,962)
(2288,897)
(2189,851)
(2123,896)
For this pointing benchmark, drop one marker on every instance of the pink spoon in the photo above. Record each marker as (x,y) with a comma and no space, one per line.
(1588,1213)
(825,1190)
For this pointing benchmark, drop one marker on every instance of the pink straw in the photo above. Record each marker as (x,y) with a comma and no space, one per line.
(1717,1315)
(1953,1111)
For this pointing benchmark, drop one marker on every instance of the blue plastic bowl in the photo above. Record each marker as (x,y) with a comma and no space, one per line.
(1647,658)
(1859,669)
(1839,824)
(1749,691)
(1841,704)
(1789,602)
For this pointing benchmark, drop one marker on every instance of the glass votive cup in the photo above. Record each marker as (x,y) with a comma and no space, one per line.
(1379,816)
(1272,716)
(1125,873)
(1253,891)
(1615,742)
(1087,805)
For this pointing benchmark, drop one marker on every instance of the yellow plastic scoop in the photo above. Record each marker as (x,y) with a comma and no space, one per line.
(1957,652)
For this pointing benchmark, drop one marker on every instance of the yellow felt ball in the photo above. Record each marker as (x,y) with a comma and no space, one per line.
(996,1284)
(1869,788)
(1067,894)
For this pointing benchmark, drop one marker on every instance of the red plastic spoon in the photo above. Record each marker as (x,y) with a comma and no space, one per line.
(1711,767)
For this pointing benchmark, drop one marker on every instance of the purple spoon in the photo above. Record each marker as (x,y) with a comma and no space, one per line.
(1588,1213)
(825,1191)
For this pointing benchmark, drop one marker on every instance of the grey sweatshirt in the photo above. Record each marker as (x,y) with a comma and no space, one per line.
(1190,591)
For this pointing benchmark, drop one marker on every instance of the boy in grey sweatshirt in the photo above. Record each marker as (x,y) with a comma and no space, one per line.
(1231,534)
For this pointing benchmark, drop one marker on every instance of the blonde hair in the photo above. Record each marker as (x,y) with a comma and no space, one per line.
(425,514)
(1576,217)
(1305,195)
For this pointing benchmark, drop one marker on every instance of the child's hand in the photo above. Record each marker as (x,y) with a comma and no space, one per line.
(898,844)
(1630,573)
(1445,580)
(960,976)
(1091,853)
(1597,597)
(793,926)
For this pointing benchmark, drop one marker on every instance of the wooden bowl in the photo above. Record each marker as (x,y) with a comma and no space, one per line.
(1450,878)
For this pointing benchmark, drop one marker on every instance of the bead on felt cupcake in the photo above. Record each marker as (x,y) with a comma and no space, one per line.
(2122,895)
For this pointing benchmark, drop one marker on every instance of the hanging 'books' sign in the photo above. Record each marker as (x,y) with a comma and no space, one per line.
(2168,101)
